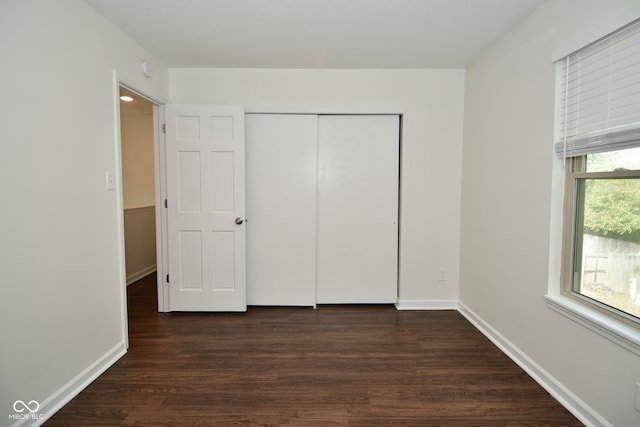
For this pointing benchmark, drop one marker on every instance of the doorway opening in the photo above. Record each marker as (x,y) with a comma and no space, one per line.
(138,161)
(138,185)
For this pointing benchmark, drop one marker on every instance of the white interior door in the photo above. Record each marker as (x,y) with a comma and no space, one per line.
(281,208)
(206,193)
(357,236)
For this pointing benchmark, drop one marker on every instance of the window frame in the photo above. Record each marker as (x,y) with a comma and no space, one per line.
(583,313)
(572,241)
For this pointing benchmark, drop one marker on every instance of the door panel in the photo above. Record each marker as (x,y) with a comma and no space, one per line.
(281,207)
(223,245)
(190,259)
(188,186)
(222,173)
(205,192)
(357,240)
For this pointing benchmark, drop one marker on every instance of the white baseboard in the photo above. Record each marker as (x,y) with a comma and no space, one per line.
(140,274)
(426,304)
(575,405)
(57,400)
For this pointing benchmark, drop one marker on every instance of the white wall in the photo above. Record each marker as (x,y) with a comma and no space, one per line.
(507,205)
(140,242)
(432,101)
(137,157)
(60,250)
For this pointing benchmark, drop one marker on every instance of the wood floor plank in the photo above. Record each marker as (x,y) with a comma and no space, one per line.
(337,365)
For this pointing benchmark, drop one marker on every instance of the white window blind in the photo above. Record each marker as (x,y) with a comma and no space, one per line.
(599,95)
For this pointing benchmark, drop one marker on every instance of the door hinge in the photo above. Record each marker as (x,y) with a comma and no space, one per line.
(167,278)
(164,128)
(166,203)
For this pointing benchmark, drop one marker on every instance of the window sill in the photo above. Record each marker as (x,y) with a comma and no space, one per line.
(618,332)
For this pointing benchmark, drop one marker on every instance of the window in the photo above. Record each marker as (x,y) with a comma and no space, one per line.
(598,136)
(602,232)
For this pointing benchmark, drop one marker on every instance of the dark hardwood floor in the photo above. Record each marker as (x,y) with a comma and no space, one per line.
(334,366)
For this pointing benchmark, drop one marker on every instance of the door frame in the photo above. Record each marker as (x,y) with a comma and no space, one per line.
(120,80)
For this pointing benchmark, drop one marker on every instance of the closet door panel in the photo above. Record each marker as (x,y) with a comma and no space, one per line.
(281,157)
(357,229)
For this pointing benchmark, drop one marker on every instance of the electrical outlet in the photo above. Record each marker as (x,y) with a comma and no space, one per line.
(443,275)
(638,397)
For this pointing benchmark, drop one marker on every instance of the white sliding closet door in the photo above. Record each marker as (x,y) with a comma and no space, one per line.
(357,224)
(281,209)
